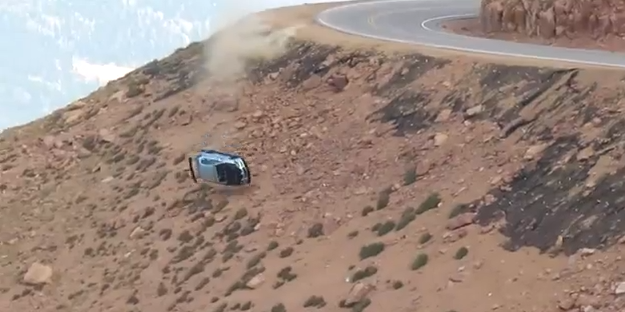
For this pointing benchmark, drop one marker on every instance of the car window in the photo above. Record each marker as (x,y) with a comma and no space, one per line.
(207,161)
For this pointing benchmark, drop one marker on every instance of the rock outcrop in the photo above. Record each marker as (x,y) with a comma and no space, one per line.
(555,18)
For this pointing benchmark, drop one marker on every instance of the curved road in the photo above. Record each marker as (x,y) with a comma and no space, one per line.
(419,22)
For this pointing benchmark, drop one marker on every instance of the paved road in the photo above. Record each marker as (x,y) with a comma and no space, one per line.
(419,22)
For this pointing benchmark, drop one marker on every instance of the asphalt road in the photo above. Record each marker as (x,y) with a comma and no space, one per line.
(419,22)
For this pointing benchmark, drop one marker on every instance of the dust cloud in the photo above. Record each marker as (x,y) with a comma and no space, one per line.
(245,37)
(239,36)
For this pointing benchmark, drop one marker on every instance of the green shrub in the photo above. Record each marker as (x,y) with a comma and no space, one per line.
(420,261)
(461,253)
(425,237)
(397,285)
(429,203)
(364,273)
(410,176)
(315,301)
(240,214)
(315,230)
(371,250)
(367,210)
(286,252)
(278,308)
(352,234)
(386,228)
(458,210)
(383,199)
(408,215)
(272,245)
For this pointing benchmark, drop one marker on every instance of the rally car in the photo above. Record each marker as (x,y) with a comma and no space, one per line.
(220,168)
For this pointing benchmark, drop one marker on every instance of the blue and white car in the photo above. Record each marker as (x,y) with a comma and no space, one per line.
(220,168)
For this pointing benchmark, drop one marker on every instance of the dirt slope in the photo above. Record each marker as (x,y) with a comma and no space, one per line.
(382,182)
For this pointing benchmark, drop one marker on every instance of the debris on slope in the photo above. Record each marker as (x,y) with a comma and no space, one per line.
(368,169)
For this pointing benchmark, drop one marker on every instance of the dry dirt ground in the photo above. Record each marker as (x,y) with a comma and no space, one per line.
(385,179)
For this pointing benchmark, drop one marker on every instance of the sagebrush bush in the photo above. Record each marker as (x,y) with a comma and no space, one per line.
(371,250)
(364,273)
(410,176)
(458,210)
(420,261)
(385,228)
(461,253)
(384,198)
(425,237)
(429,203)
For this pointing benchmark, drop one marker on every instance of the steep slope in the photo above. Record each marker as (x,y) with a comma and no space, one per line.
(382,183)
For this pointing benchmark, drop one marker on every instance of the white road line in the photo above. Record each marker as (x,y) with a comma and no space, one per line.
(544,58)
(334,18)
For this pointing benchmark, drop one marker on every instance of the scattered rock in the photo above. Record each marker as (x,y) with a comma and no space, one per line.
(339,82)
(228,105)
(461,220)
(138,232)
(258,114)
(444,115)
(256,281)
(220,218)
(473,111)
(587,300)
(76,105)
(312,82)
(566,304)
(73,116)
(478,264)
(585,154)
(423,168)
(496,180)
(440,139)
(106,136)
(239,125)
(358,292)
(38,274)
(361,190)
(366,141)
(49,141)
(273,76)
(117,97)
(619,289)
(534,151)
(455,235)
(585,252)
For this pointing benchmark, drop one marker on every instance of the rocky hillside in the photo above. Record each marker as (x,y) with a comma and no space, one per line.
(383,182)
(555,18)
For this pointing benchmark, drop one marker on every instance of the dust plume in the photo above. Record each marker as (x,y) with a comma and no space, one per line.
(239,36)
(242,37)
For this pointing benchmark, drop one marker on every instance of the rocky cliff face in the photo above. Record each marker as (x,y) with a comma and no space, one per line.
(555,18)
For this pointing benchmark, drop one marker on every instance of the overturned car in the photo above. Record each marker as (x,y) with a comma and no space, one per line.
(220,168)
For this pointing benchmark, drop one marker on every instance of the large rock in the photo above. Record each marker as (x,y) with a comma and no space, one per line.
(555,18)
(38,274)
